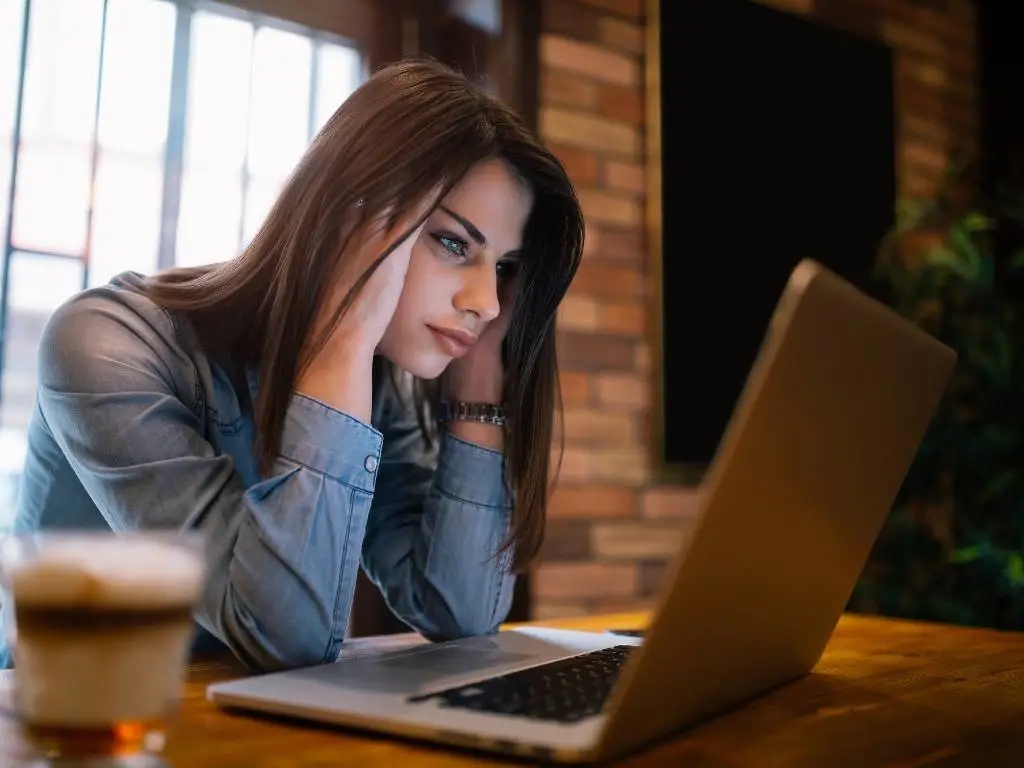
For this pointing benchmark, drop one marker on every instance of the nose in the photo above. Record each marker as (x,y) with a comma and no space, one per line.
(479,293)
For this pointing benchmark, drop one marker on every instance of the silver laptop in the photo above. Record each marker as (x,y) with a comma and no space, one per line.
(819,443)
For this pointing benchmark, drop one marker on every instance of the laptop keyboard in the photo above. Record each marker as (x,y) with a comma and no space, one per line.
(564,691)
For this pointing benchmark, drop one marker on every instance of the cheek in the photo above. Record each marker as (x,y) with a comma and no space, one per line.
(422,294)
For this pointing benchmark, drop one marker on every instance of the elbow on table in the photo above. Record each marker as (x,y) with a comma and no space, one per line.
(287,645)
(449,624)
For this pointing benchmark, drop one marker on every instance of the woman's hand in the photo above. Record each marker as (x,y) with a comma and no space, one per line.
(340,374)
(479,375)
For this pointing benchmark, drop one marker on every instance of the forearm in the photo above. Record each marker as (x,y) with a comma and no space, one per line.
(438,564)
(343,381)
(284,598)
(483,435)
(484,384)
(284,577)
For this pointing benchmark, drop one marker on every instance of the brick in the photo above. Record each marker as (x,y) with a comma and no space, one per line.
(588,131)
(916,185)
(621,318)
(622,35)
(670,502)
(622,245)
(622,103)
(591,464)
(566,540)
(922,155)
(624,391)
(585,426)
(619,465)
(607,281)
(592,501)
(929,104)
(580,164)
(635,540)
(608,208)
(589,352)
(559,17)
(611,607)
(651,577)
(645,427)
(589,60)
(928,180)
(591,241)
(581,581)
(643,358)
(630,9)
(924,130)
(855,17)
(571,466)
(792,6)
(558,88)
(578,313)
(627,177)
(543,610)
(942,24)
(931,75)
(575,388)
(904,36)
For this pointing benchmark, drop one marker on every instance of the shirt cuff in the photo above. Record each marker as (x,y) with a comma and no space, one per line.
(471,473)
(331,442)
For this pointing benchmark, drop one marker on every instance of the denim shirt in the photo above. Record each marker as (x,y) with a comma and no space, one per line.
(136,428)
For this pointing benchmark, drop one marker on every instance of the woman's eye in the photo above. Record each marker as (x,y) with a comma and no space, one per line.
(454,246)
(507,269)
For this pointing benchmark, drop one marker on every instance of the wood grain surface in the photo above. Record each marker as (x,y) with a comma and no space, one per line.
(886,693)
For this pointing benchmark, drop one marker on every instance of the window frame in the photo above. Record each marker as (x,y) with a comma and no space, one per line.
(177,121)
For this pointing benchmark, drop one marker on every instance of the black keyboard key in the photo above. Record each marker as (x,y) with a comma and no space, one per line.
(564,691)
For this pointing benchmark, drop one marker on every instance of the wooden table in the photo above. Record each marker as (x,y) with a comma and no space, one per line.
(887,693)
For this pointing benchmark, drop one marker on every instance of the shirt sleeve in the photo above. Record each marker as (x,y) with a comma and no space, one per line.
(122,402)
(438,520)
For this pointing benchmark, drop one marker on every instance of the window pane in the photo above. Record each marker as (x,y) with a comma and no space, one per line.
(61,71)
(38,284)
(42,283)
(210,218)
(340,72)
(279,105)
(126,220)
(11,17)
(51,197)
(10,50)
(137,75)
(218,102)
(258,200)
(60,94)
(5,185)
(22,332)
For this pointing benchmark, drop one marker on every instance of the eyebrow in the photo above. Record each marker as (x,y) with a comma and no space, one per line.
(468,225)
(475,233)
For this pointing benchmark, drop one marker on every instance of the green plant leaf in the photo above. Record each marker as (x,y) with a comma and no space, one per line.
(968,554)
(1015,569)
(998,485)
(977,222)
(943,257)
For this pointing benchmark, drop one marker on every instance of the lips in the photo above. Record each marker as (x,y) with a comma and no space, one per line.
(454,341)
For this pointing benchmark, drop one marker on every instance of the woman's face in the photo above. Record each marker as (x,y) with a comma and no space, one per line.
(467,248)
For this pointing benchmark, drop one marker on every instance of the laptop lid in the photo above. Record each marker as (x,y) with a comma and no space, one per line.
(826,428)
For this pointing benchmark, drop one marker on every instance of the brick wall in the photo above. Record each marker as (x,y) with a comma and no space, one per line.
(613,526)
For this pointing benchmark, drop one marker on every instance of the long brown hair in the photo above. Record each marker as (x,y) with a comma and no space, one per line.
(412,128)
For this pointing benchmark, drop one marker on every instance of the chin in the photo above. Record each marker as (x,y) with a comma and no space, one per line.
(426,367)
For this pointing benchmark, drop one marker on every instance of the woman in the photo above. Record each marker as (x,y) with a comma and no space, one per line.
(370,383)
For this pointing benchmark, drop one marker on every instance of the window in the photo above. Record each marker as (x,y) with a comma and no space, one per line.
(149,133)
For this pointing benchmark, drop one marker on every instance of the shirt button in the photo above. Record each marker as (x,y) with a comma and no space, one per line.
(370,464)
